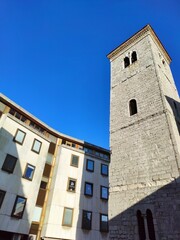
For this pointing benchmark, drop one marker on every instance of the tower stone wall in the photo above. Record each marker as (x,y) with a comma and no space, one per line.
(144,169)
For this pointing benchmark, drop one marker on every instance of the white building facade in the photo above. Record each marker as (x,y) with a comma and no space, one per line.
(52,186)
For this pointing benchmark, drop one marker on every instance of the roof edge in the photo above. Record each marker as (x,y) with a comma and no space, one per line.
(134,37)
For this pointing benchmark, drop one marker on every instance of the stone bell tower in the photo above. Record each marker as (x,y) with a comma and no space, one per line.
(144,201)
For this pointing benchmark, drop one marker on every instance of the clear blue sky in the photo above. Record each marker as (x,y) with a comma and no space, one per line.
(53,56)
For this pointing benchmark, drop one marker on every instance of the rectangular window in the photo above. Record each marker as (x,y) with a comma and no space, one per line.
(29,172)
(36,147)
(19,207)
(103,223)
(2,195)
(71,185)
(104,193)
(86,220)
(9,163)
(104,169)
(88,190)
(67,217)
(20,136)
(74,160)
(90,165)
(43,185)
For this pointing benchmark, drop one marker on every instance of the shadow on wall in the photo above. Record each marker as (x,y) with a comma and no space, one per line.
(90,203)
(13,203)
(156,217)
(175,106)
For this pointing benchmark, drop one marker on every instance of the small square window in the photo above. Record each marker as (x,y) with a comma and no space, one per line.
(29,172)
(103,223)
(104,169)
(104,193)
(88,190)
(71,185)
(43,185)
(36,147)
(74,160)
(86,220)
(20,136)
(2,195)
(67,217)
(90,165)
(9,163)
(19,207)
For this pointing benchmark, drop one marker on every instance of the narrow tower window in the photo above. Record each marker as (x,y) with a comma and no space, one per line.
(141,227)
(126,62)
(132,107)
(150,225)
(133,57)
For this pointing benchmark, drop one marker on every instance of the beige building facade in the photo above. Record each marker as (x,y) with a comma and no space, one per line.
(52,186)
(145,142)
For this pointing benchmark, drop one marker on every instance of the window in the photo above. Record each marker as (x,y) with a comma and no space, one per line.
(103,223)
(90,165)
(9,163)
(67,217)
(88,190)
(132,107)
(150,225)
(133,57)
(104,169)
(104,193)
(29,172)
(17,115)
(126,62)
(36,147)
(74,160)
(86,220)
(141,227)
(19,207)
(20,136)
(43,185)
(2,195)
(71,185)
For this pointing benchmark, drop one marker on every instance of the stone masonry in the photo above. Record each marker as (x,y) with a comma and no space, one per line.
(145,160)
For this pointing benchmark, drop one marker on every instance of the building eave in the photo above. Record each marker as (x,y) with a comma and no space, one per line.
(137,35)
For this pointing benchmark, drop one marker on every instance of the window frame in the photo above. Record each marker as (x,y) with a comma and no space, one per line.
(83,226)
(67,225)
(85,192)
(14,165)
(101,222)
(30,179)
(73,165)
(104,174)
(14,207)
(34,144)
(14,139)
(3,196)
(89,160)
(68,185)
(101,196)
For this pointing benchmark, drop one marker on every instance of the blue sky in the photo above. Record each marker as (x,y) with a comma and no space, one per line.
(53,56)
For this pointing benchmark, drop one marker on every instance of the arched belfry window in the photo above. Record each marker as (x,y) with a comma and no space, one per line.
(126,62)
(132,107)
(150,225)
(133,57)
(141,227)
